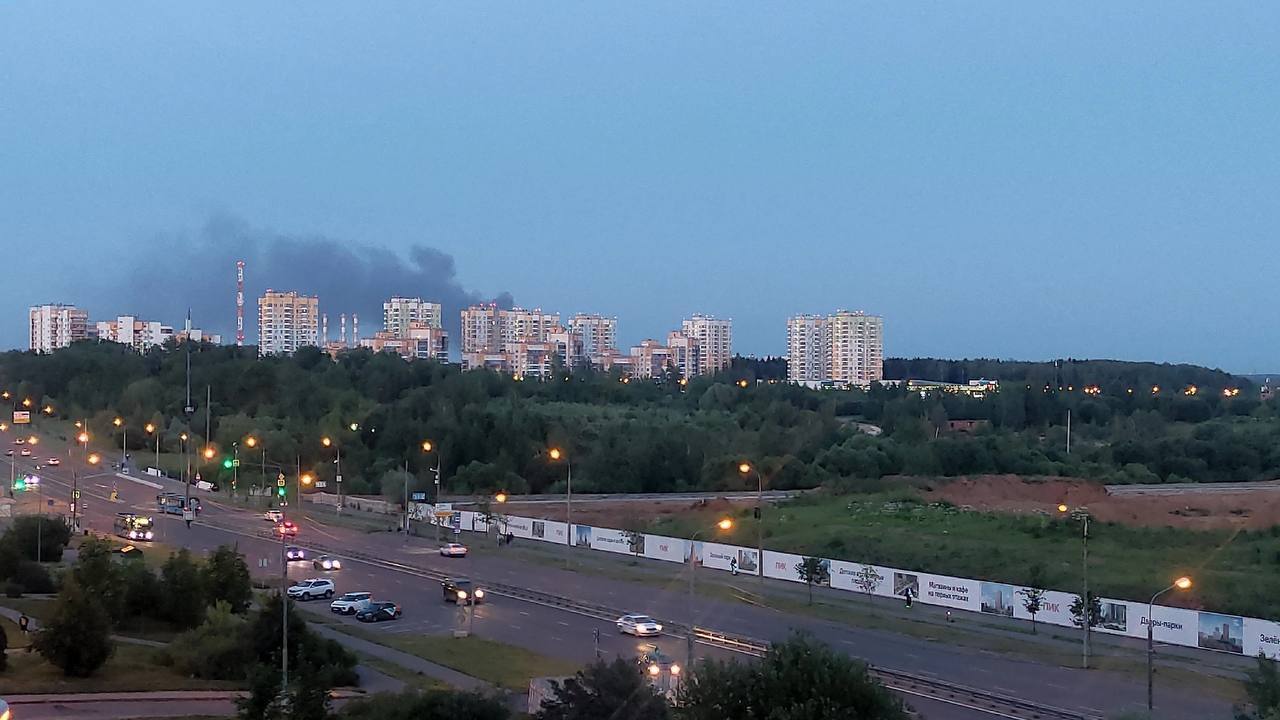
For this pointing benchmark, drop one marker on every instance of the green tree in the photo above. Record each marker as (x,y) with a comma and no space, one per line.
(433,705)
(1033,594)
(217,649)
(616,690)
(1262,685)
(38,537)
(798,679)
(140,591)
(184,592)
(226,579)
(99,576)
(813,571)
(77,638)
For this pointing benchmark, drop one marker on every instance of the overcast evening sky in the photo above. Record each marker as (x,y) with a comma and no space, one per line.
(1001,179)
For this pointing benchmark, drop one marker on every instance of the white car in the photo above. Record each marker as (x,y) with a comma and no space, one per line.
(639,625)
(351,603)
(310,589)
(26,452)
(453,550)
(324,562)
(274,516)
(53,461)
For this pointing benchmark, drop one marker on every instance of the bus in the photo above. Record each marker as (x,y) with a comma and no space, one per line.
(175,504)
(134,527)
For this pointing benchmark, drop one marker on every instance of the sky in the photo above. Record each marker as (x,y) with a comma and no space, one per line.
(997,179)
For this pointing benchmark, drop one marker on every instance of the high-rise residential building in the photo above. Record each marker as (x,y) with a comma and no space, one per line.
(599,333)
(140,335)
(481,329)
(808,349)
(649,359)
(399,312)
(685,353)
(420,342)
(846,348)
(857,347)
(519,325)
(490,333)
(715,338)
(55,326)
(287,321)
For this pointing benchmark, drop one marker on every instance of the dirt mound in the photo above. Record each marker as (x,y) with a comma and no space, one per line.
(1193,510)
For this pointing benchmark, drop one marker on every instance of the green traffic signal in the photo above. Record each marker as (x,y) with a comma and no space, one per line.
(20,484)
(280,491)
(226,463)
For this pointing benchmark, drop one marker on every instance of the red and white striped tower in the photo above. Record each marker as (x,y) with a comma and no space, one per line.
(239,303)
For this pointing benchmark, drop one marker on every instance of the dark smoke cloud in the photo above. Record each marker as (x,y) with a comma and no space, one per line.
(176,271)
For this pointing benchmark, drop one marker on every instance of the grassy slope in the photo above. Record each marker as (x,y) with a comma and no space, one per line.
(131,668)
(1235,572)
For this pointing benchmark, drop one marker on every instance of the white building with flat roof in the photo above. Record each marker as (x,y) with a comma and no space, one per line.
(715,338)
(56,325)
(287,321)
(399,312)
(808,349)
(599,333)
(845,348)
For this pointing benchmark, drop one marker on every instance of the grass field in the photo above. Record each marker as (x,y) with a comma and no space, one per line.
(506,666)
(131,669)
(1235,572)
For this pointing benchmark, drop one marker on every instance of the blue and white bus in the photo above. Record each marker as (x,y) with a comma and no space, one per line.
(175,504)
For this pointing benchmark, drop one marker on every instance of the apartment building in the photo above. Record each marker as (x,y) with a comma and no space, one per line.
(685,353)
(419,342)
(808,349)
(599,333)
(287,321)
(649,359)
(398,313)
(715,338)
(513,340)
(55,326)
(845,348)
(138,334)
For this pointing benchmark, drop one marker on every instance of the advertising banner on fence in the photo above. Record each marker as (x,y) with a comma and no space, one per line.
(659,547)
(860,578)
(610,540)
(1261,636)
(1055,607)
(947,591)
(521,527)
(548,531)
(717,556)
(782,566)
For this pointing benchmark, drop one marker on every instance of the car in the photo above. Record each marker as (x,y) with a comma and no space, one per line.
(19,441)
(461,591)
(53,462)
(639,625)
(294,553)
(287,528)
(274,516)
(310,589)
(379,611)
(351,603)
(324,562)
(9,452)
(26,452)
(453,550)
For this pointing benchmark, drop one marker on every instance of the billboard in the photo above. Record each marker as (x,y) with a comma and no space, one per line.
(660,547)
(21,417)
(610,540)
(1261,636)
(861,578)
(959,593)
(521,527)
(718,556)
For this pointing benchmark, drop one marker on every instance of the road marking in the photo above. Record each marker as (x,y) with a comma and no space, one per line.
(561,622)
(515,627)
(140,481)
(522,612)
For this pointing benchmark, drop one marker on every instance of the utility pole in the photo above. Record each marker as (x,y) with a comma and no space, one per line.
(1068,431)
(406,500)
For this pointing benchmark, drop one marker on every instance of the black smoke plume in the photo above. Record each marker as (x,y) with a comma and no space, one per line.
(174,272)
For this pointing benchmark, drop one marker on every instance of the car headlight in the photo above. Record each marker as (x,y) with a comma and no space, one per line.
(657,628)
(479,594)
(150,535)
(337,564)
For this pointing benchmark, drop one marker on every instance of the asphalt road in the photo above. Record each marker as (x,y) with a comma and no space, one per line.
(562,634)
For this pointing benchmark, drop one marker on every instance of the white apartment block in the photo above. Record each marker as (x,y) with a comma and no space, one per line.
(399,312)
(857,347)
(808,349)
(715,338)
(520,325)
(55,326)
(599,333)
(846,348)
(141,335)
(287,321)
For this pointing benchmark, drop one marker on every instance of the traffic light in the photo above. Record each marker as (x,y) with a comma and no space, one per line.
(19,484)
(227,463)
(280,491)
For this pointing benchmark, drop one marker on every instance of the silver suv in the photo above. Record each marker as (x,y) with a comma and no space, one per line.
(351,603)
(309,589)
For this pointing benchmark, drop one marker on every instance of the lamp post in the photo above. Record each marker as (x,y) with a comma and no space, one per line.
(186,479)
(1082,514)
(427,447)
(124,438)
(556,454)
(724,524)
(745,468)
(83,439)
(1182,583)
(151,429)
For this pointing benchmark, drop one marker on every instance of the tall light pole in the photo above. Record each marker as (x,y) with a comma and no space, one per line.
(1182,583)
(151,429)
(124,439)
(186,472)
(83,439)
(724,524)
(428,446)
(1086,605)
(745,468)
(556,454)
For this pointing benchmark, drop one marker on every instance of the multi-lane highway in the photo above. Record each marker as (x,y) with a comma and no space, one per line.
(397,568)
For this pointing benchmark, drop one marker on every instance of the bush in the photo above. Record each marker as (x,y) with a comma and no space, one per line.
(77,638)
(35,534)
(215,650)
(13,589)
(33,578)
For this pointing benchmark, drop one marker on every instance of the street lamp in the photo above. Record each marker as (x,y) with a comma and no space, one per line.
(124,439)
(1082,514)
(556,455)
(151,430)
(723,524)
(500,497)
(427,446)
(745,468)
(1182,583)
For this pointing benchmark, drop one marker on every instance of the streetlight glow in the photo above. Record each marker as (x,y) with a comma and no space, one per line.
(744,468)
(426,446)
(1182,583)
(500,497)
(33,440)
(94,459)
(325,441)
(725,524)
(251,441)
(354,426)
(150,428)
(306,478)
(183,437)
(675,669)
(209,453)
(1062,507)
(654,669)
(555,454)
(83,437)
(26,402)
(117,422)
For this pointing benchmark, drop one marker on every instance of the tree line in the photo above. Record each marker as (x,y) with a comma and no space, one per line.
(490,431)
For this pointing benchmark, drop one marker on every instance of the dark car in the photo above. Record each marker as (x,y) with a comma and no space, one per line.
(379,611)
(460,591)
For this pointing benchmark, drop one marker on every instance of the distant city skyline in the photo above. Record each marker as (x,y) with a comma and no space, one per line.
(1004,181)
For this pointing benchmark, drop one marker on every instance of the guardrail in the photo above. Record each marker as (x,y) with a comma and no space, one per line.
(897,680)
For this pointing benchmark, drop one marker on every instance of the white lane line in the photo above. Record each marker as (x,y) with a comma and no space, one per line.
(513,627)
(561,622)
(522,612)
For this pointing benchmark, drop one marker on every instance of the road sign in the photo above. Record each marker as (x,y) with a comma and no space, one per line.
(418,496)
(280,481)
(457,531)
(235,463)
(339,478)
(321,483)
(21,417)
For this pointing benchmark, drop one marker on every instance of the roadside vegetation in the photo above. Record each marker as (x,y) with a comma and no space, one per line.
(1237,572)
